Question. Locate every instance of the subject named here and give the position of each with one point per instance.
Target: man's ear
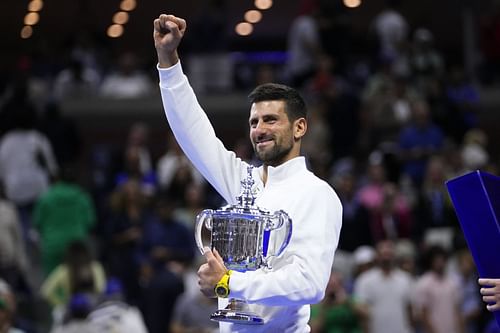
(299, 128)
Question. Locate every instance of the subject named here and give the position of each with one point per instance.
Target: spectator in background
(76, 82)
(63, 214)
(7, 309)
(13, 258)
(438, 297)
(426, 62)
(164, 239)
(316, 145)
(391, 30)
(463, 102)
(86, 50)
(406, 256)
(75, 319)
(466, 278)
(63, 134)
(27, 165)
(434, 210)
(138, 137)
(474, 150)
(124, 232)
(383, 199)
(418, 141)
(364, 258)
(370, 193)
(304, 47)
(79, 274)
(356, 229)
(194, 202)
(192, 314)
(393, 219)
(386, 291)
(387, 100)
(338, 312)
(167, 249)
(132, 169)
(112, 314)
(127, 81)
(174, 170)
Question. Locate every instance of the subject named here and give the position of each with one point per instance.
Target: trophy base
(237, 312)
(236, 317)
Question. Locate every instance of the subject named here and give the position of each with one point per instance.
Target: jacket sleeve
(196, 136)
(307, 261)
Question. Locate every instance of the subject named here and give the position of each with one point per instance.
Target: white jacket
(300, 275)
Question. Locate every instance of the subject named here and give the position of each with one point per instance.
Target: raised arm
(189, 123)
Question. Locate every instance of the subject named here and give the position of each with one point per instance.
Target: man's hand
(211, 272)
(491, 293)
(167, 34)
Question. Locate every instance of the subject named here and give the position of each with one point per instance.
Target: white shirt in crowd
(22, 153)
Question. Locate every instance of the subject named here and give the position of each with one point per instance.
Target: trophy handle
(205, 217)
(279, 220)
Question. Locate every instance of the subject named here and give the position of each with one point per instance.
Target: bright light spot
(263, 4)
(31, 18)
(120, 18)
(253, 16)
(352, 3)
(244, 29)
(128, 5)
(26, 32)
(35, 5)
(115, 31)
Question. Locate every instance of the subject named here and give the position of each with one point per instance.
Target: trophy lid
(246, 199)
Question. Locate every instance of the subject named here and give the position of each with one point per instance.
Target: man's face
(271, 132)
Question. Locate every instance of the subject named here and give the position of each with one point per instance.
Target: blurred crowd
(391, 118)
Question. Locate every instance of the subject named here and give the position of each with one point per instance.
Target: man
(277, 124)
(386, 291)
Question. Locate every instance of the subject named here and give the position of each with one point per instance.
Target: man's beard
(275, 155)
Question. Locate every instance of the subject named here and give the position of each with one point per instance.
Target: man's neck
(265, 167)
(264, 174)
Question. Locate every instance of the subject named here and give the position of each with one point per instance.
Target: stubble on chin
(272, 157)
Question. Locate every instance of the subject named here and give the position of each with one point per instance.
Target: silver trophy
(246, 237)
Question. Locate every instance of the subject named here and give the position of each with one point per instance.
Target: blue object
(113, 287)
(476, 198)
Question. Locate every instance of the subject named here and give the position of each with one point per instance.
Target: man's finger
(217, 256)
(489, 299)
(488, 282)
(207, 252)
(493, 307)
(181, 23)
(173, 28)
(487, 291)
(157, 26)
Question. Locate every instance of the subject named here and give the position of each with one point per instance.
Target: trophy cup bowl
(246, 238)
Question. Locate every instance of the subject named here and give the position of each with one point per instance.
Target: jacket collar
(286, 170)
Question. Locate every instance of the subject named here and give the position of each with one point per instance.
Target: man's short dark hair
(295, 107)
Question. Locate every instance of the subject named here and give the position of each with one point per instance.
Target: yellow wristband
(222, 287)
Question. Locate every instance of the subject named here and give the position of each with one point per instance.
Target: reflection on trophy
(247, 238)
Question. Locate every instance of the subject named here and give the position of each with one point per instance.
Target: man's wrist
(168, 60)
(222, 287)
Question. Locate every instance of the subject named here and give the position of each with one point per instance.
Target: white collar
(285, 170)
